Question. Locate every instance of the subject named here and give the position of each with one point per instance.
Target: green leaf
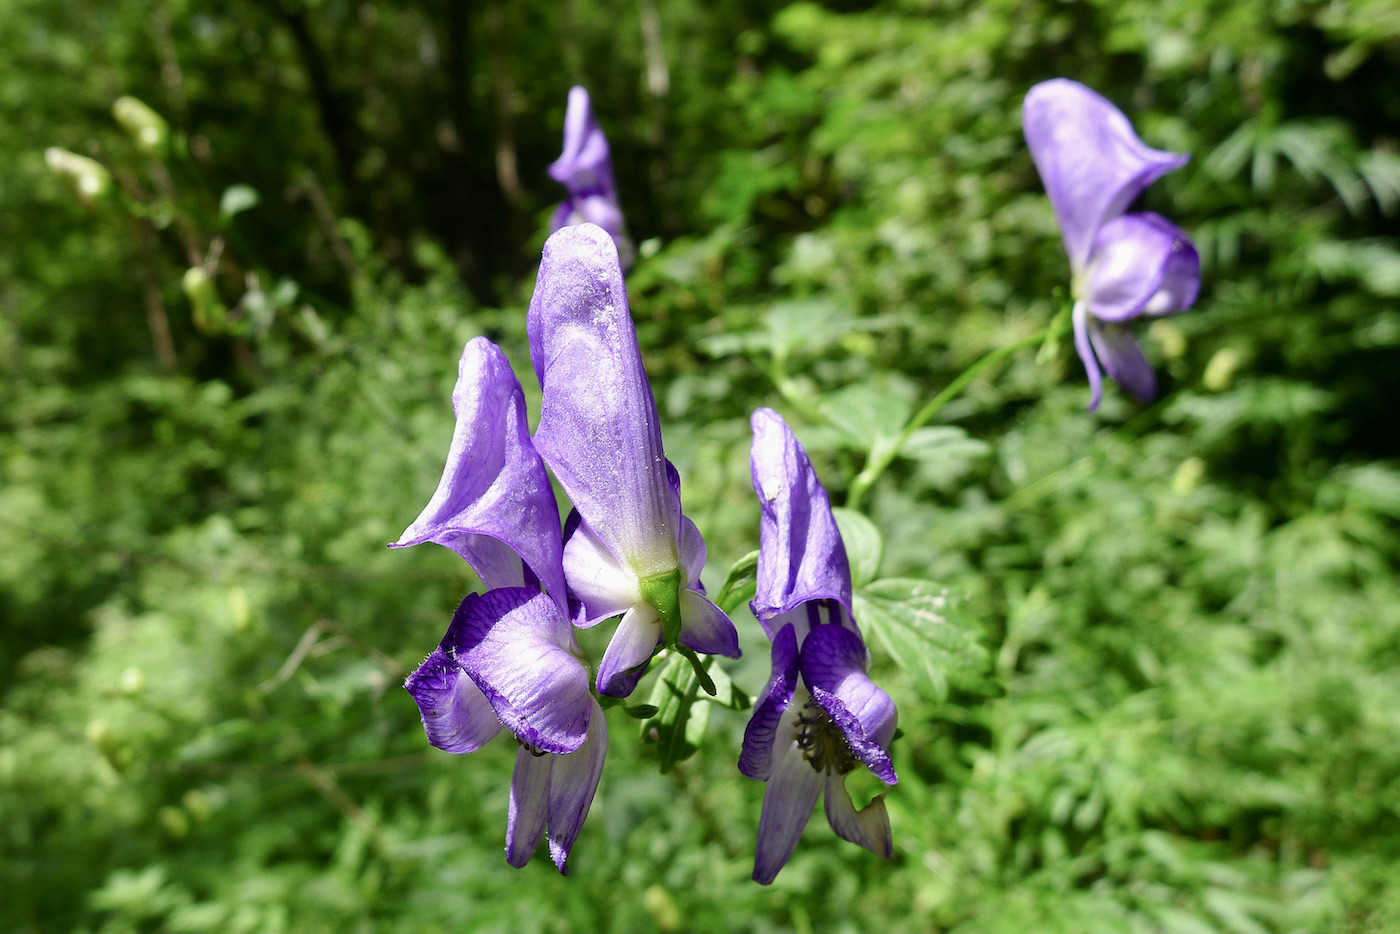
(917, 624)
(740, 584)
(870, 417)
(942, 443)
(681, 713)
(727, 694)
(864, 546)
(674, 698)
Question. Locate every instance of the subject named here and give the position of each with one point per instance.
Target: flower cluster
(1124, 265)
(627, 551)
(509, 659)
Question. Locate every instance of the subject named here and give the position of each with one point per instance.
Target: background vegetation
(1164, 690)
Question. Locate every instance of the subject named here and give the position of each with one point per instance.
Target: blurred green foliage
(1147, 660)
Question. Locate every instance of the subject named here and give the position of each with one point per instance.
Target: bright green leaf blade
(865, 548)
(740, 584)
(674, 698)
(915, 622)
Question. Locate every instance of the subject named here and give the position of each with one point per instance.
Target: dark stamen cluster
(822, 742)
(532, 750)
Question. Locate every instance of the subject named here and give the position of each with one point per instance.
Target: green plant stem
(880, 461)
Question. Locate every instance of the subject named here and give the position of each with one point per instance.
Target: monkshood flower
(585, 170)
(632, 553)
(820, 716)
(1124, 265)
(509, 659)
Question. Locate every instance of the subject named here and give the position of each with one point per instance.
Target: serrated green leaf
(865, 547)
(911, 620)
(867, 415)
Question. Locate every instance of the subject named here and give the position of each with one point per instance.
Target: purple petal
(564, 216)
(869, 827)
(494, 491)
(515, 644)
(801, 556)
(1141, 264)
(1080, 319)
(1092, 163)
(598, 427)
(1122, 357)
(705, 628)
(456, 716)
(572, 786)
(692, 550)
(529, 805)
(788, 802)
(629, 650)
(585, 166)
(861, 745)
(756, 760)
(833, 662)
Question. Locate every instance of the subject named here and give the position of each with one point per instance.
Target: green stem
(878, 464)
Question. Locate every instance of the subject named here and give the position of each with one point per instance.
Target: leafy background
(1150, 657)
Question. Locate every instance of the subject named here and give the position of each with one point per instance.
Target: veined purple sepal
(801, 558)
(1142, 264)
(554, 792)
(788, 802)
(494, 505)
(869, 827)
(632, 554)
(756, 760)
(456, 716)
(598, 428)
(834, 662)
(515, 644)
(1091, 161)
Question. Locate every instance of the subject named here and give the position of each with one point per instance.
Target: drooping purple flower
(633, 553)
(820, 716)
(509, 658)
(585, 170)
(1124, 265)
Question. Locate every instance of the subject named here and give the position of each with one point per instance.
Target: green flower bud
(210, 314)
(87, 178)
(147, 129)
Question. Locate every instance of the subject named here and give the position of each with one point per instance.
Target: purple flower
(1124, 265)
(509, 658)
(820, 716)
(632, 553)
(585, 170)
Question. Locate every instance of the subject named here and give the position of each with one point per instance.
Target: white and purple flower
(820, 716)
(632, 553)
(509, 658)
(1124, 265)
